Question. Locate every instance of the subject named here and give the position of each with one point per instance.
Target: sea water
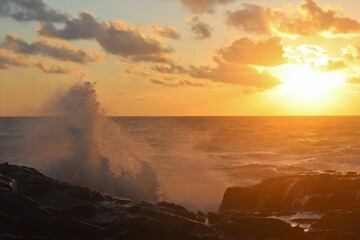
(194, 158)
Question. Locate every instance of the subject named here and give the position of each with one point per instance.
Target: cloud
(59, 69)
(84, 27)
(161, 58)
(60, 51)
(203, 6)
(169, 67)
(236, 74)
(312, 19)
(335, 64)
(8, 59)
(128, 43)
(316, 57)
(199, 29)
(180, 83)
(234, 64)
(267, 52)
(30, 10)
(252, 18)
(309, 18)
(313, 55)
(114, 37)
(351, 52)
(166, 31)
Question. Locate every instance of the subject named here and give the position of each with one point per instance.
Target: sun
(308, 86)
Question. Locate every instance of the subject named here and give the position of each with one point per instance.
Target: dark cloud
(200, 29)
(166, 31)
(307, 19)
(267, 52)
(252, 18)
(235, 74)
(114, 37)
(128, 43)
(180, 83)
(203, 6)
(84, 27)
(30, 10)
(60, 51)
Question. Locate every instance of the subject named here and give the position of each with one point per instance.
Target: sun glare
(305, 85)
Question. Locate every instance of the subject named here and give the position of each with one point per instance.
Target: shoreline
(36, 206)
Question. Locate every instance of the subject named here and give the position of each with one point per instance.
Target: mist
(82, 146)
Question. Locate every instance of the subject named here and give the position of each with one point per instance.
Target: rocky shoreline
(34, 206)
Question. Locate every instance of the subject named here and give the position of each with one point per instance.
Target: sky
(183, 57)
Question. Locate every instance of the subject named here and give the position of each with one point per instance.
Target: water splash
(82, 146)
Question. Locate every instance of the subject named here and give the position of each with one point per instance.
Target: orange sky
(183, 57)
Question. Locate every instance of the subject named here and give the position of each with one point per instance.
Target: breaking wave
(80, 145)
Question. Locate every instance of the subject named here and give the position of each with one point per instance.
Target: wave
(80, 145)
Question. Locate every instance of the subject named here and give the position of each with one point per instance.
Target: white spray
(82, 146)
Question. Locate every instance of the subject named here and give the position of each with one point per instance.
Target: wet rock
(201, 216)
(339, 223)
(307, 192)
(213, 217)
(33, 206)
(258, 228)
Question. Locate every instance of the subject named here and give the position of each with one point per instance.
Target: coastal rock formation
(304, 192)
(33, 206)
(37, 207)
(238, 226)
(340, 225)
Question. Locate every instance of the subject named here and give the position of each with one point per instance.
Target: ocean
(193, 159)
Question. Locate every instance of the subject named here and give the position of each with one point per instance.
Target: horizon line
(327, 115)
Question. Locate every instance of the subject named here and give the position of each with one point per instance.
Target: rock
(33, 206)
(340, 223)
(306, 192)
(201, 216)
(179, 210)
(213, 217)
(258, 228)
(330, 235)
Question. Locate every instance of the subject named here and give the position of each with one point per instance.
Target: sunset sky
(183, 57)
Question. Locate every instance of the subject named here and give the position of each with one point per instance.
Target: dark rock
(179, 210)
(201, 216)
(339, 222)
(308, 192)
(330, 235)
(213, 217)
(33, 206)
(258, 228)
